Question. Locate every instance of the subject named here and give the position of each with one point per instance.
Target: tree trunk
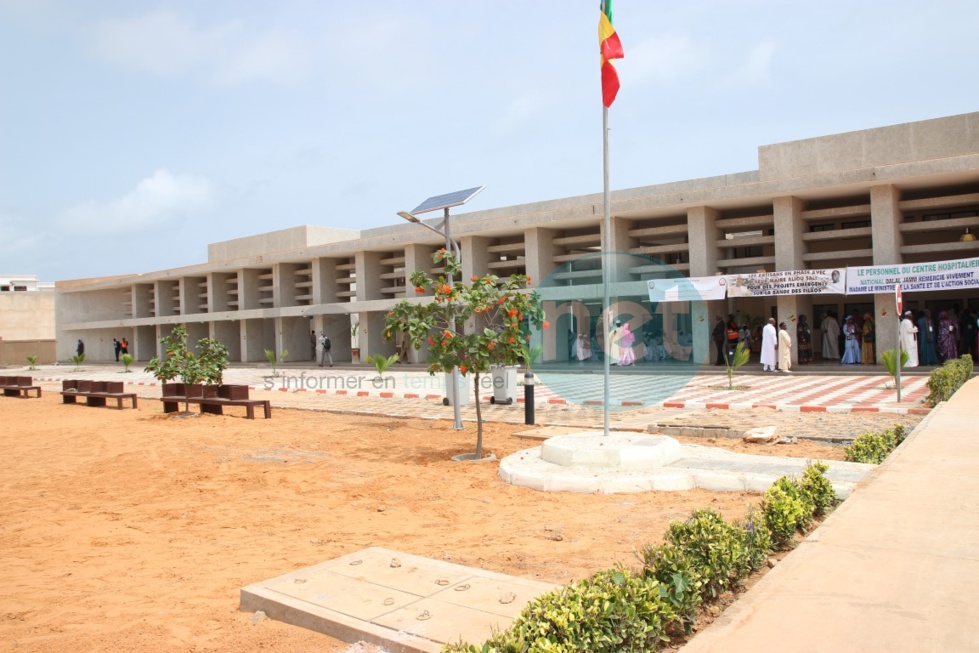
(479, 419)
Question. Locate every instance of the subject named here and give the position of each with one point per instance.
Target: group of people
(931, 342)
(776, 345)
(627, 347)
(856, 338)
(120, 347)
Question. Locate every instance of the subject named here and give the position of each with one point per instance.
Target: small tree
(889, 358)
(207, 367)
(32, 361)
(275, 360)
(127, 360)
(382, 363)
(78, 359)
(733, 362)
(501, 311)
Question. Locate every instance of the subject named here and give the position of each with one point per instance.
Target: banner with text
(686, 289)
(790, 282)
(913, 277)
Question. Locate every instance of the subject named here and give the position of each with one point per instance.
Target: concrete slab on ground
(399, 601)
(590, 462)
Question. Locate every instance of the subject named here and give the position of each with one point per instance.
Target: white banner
(944, 275)
(686, 289)
(789, 282)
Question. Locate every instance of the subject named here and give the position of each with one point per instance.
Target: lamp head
(967, 237)
(407, 216)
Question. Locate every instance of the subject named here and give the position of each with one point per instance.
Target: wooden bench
(19, 386)
(212, 399)
(96, 393)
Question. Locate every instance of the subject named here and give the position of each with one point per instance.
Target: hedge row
(627, 611)
(945, 380)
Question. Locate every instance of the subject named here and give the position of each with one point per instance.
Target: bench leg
(134, 402)
(250, 411)
(268, 410)
(68, 399)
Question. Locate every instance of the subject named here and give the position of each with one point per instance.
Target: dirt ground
(133, 531)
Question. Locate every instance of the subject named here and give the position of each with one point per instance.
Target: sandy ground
(133, 531)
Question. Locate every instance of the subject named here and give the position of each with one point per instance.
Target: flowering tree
(501, 310)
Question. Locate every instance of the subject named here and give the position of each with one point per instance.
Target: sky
(133, 133)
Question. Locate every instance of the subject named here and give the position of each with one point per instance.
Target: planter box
(113, 386)
(211, 391)
(69, 384)
(174, 389)
(233, 392)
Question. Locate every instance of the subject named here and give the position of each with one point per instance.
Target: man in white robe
(769, 344)
(909, 341)
(831, 338)
(784, 349)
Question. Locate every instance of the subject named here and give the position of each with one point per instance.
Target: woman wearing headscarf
(947, 337)
(626, 340)
(784, 349)
(926, 339)
(851, 353)
(803, 336)
(867, 353)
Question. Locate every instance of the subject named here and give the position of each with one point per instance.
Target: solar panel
(447, 201)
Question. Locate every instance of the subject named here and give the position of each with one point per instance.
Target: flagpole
(606, 272)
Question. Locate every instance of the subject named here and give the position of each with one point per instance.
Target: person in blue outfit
(851, 353)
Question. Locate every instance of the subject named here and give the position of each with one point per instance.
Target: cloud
(756, 69)
(158, 199)
(165, 45)
(663, 58)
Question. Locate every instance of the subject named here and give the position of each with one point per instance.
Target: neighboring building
(27, 324)
(898, 194)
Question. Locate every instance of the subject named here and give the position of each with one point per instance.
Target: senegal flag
(610, 48)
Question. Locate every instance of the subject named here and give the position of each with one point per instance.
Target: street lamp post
(445, 202)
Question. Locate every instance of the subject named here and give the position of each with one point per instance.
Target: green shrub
(817, 488)
(614, 610)
(786, 511)
(756, 538)
(679, 583)
(714, 548)
(945, 380)
(872, 447)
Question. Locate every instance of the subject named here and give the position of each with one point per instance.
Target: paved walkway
(827, 389)
(893, 569)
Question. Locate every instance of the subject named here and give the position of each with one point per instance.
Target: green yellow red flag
(610, 48)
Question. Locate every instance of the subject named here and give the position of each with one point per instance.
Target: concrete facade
(27, 320)
(897, 194)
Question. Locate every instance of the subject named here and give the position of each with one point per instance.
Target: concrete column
(324, 281)
(885, 225)
(539, 253)
(284, 284)
(789, 250)
(368, 277)
(475, 256)
(702, 236)
(248, 295)
(620, 244)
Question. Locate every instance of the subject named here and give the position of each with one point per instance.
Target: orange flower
(547, 325)
(512, 339)
(512, 312)
(446, 289)
(474, 278)
(431, 340)
(417, 289)
(463, 369)
(491, 345)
